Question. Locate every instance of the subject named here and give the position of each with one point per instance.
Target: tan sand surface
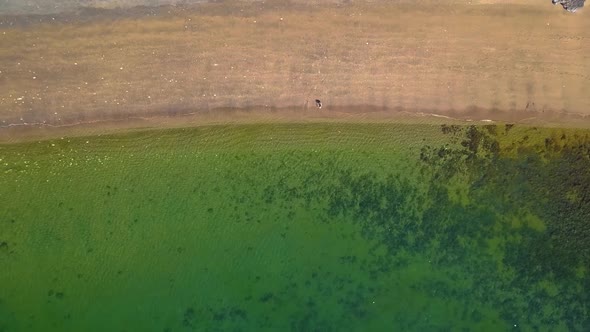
(516, 61)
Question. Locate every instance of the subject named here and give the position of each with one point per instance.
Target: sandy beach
(234, 61)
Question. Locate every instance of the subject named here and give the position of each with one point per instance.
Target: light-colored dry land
(527, 62)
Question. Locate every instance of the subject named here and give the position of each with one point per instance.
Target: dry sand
(514, 61)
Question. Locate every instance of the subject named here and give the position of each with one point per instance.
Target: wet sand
(99, 70)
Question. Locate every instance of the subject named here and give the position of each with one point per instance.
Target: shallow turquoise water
(316, 227)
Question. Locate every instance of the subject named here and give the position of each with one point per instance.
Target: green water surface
(298, 227)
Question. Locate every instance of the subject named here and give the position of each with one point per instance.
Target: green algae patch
(298, 227)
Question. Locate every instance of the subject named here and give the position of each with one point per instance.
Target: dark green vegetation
(317, 227)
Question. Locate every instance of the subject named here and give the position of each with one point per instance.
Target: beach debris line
(318, 103)
(570, 5)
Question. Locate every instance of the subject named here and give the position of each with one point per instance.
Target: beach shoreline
(33, 132)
